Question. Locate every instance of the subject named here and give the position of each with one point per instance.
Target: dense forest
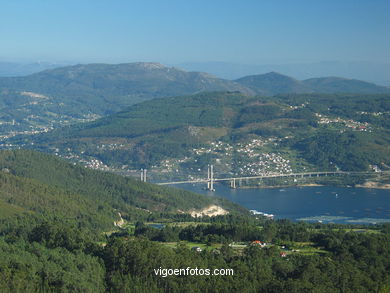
(56, 257)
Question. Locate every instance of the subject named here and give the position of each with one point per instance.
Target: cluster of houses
(356, 125)
(252, 158)
(264, 244)
(259, 243)
(13, 133)
(227, 149)
(96, 164)
(110, 146)
(376, 114)
(265, 164)
(299, 106)
(253, 243)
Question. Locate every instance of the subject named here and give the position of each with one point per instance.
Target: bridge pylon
(210, 177)
(143, 175)
(233, 183)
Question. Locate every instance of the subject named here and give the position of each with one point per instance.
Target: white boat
(255, 212)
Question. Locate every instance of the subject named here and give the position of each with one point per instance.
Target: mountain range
(66, 95)
(275, 83)
(105, 88)
(375, 72)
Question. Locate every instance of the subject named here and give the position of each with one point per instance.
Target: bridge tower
(210, 177)
(143, 175)
(233, 183)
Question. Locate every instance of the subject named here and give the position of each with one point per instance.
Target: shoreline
(367, 185)
(373, 185)
(281, 186)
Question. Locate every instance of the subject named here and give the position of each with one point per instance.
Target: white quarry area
(210, 211)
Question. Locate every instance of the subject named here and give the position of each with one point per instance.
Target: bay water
(314, 204)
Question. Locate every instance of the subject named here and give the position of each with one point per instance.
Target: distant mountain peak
(267, 76)
(150, 65)
(272, 83)
(274, 73)
(108, 88)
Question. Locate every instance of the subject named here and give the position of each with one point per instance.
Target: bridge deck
(304, 174)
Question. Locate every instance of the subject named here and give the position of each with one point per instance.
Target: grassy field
(304, 248)
(360, 230)
(307, 248)
(190, 244)
(288, 247)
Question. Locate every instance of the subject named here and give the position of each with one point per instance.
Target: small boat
(255, 212)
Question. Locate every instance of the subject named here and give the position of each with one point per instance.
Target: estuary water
(313, 204)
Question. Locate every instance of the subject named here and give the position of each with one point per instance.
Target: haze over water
(326, 204)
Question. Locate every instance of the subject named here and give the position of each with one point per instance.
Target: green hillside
(40, 184)
(62, 96)
(20, 195)
(177, 137)
(154, 129)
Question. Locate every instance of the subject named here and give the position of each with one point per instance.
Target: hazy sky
(174, 31)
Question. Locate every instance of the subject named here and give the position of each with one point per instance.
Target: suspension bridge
(210, 180)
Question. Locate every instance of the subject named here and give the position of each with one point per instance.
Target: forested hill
(275, 83)
(235, 132)
(45, 186)
(107, 88)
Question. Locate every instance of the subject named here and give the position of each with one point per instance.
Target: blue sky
(175, 31)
